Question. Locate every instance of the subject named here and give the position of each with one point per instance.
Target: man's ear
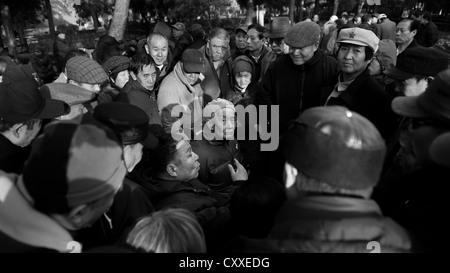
(147, 49)
(16, 129)
(171, 169)
(76, 215)
(290, 175)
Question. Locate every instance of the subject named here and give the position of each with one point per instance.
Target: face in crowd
(158, 48)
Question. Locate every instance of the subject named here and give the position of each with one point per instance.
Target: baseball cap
(74, 162)
(359, 36)
(193, 61)
(335, 146)
(130, 121)
(21, 101)
(244, 28)
(418, 61)
(179, 26)
(85, 70)
(382, 16)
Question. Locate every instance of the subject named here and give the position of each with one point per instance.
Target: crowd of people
(141, 150)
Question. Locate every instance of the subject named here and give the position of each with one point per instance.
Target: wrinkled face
(411, 87)
(132, 155)
(278, 46)
(224, 122)
(186, 161)
(402, 33)
(122, 78)
(352, 59)
(218, 48)
(301, 55)
(240, 40)
(147, 76)
(158, 48)
(254, 43)
(243, 79)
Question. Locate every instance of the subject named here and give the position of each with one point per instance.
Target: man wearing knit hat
(334, 158)
(354, 87)
(70, 179)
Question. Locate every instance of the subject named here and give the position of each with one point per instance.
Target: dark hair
(413, 24)
(164, 154)
(365, 18)
(367, 50)
(426, 15)
(261, 30)
(5, 126)
(139, 61)
(254, 205)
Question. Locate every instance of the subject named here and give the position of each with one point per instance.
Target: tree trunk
(300, 13)
(291, 11)
(317, 7)
(360, 6)
(21, 31)
(249, 18)
(51, 25)
(119, 20)
(94, 16)
(9, 32)
(335, 7)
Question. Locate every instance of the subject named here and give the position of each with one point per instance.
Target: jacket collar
(23, 223)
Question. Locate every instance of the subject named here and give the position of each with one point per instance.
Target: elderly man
(277, 33)
(22, 110)
(157, 46)
(354, 87)
(218, 65)
(294, 81)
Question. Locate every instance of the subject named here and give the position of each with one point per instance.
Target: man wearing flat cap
(354, 87)
(294, 81)
(334, 158)
(181, 92)
(418, 197)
